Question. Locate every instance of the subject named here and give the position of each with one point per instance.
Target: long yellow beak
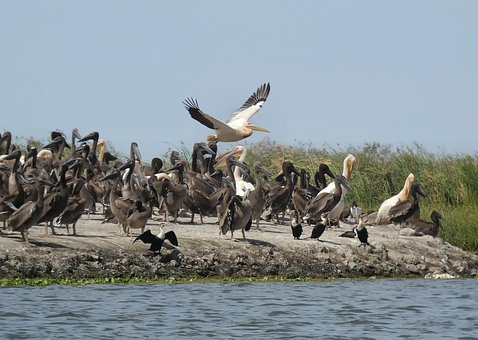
(257, 128)
(221, 159)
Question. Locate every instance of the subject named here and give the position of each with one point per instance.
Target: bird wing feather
(171, 237)
(196, 113)
(400, 209)
(146, 237)
(252, 104)
(22, 214)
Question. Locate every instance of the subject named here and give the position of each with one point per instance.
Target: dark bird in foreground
(362, 233)
(427, 228)
(157, 240)
(296, 229)
(319, 229)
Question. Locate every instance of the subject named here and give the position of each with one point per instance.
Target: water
(333, 310)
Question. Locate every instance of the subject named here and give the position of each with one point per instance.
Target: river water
(378, 309)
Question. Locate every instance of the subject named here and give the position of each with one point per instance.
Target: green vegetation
(451, 181)
(72, 281)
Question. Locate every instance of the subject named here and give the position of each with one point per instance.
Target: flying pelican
(238, 126)
(383, 212)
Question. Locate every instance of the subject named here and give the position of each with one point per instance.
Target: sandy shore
(102, 250)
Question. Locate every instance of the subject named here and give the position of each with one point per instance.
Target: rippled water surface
(342, 309)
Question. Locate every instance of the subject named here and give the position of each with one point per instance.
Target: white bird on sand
(238, 126)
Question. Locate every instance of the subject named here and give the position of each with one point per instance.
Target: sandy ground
(390, 254)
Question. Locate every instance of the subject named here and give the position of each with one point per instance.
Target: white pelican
(348, 164)
(238, 126)
(242, 186)
(383, 211)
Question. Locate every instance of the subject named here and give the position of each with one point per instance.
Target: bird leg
(257, 224)
(25, 236)
(52, 228)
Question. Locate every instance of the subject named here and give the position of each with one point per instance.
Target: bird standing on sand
(157, 240)
(296, 228)
(319, 228)
(238, 126)
(362, 233)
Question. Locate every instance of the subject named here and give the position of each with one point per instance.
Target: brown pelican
(257, 196)
(7, 138)
(319, 176)
(422, 227)
(326, 202)
(383, 212)
(348, 164)
(94, 136)
(157, 240)
(238, 217)
(15, 195)
(404, 210)
(76, 205)
(301, 195)
(238, 126)
(155, 167)
(138, 216)
(55, 202)
(116, 206)
(174, 193)
(27, 215)
(278, 198)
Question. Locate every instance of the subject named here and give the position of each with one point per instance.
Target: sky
(342, 73)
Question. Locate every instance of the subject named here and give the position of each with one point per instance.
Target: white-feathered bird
(238, 126)
(383, 211)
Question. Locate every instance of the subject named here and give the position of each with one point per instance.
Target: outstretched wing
(252, 104)
(171, 236)
(196, 113)
(146, 237)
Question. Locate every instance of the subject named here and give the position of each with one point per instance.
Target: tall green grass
(451, 181)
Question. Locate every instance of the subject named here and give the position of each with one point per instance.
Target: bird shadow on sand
(330, 242)
(47, 244)
(81, 236)
(255, 242)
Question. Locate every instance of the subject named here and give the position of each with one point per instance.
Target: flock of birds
(55, 187)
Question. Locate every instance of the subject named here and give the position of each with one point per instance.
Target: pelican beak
(345, 183)
(221, 160)
(256, 127)
(91, 136)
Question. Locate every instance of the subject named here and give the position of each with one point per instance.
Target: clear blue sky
(341, 72)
